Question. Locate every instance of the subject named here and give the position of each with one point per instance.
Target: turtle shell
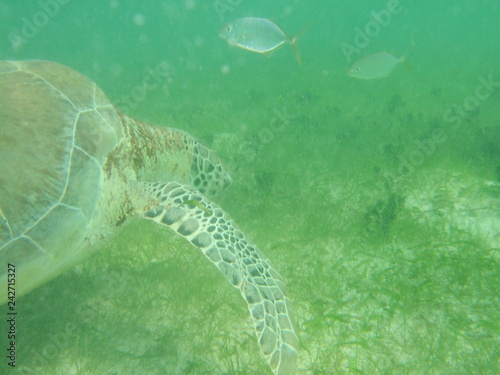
(56, 128)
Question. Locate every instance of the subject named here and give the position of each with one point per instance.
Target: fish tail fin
(403, 59)
(293, 42)
(405, 62)
(296, 52)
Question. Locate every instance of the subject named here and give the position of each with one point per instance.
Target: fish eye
(229, 28)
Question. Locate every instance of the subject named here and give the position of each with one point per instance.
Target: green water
(378, 201)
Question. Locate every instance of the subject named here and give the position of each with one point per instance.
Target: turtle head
(208, 175)
(167, 154)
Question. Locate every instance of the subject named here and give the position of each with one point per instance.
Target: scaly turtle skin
(73, 169)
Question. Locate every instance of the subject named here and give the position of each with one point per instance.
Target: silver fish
(257, 35)
(378, 65)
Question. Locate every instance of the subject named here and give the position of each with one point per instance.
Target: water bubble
(116, 70)
(139, 19)
(190, 4)
(198, 41)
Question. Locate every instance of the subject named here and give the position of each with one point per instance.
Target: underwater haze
(377, 199)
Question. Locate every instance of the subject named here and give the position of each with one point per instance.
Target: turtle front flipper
(208, 227)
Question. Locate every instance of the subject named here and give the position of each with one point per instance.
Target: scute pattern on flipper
(207, 174)
(209, 228)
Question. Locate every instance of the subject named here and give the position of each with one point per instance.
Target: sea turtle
(74, 168)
